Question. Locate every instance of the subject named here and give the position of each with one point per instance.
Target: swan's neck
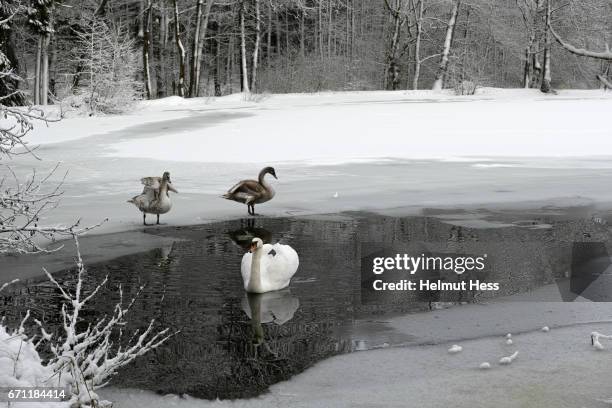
(264, 183)
(255, 278)
(163, 190)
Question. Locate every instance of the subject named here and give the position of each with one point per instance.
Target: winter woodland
(100, 55)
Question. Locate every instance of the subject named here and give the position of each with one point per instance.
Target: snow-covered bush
(83, 357)
(465, 88)
(107, 66)
(20, 363)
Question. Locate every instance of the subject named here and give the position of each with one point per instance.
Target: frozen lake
(374, 151)
(236, 346)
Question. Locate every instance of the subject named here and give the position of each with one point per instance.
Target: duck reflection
(272, 307)
(164, 255)
(243, 237)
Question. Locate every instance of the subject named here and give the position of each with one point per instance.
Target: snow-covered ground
(376, 150)
(335, 127)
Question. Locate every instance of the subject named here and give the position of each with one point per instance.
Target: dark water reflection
(233, 346)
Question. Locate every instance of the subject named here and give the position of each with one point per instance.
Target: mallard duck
(266, 268)
(155, 197)
(251, 192)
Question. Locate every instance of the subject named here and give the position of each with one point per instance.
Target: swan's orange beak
(253, 247)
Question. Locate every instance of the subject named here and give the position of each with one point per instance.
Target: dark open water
(234, 346)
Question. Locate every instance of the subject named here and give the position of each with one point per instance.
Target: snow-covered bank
(344, 126)
(411, 128)
(335, 152)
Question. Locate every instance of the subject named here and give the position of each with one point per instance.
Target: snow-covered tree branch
(89, 356)
(24, 202)
(603, 55)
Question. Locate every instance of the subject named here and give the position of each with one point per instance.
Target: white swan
(266, 268)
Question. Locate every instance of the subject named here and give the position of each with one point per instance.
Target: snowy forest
(102, 54)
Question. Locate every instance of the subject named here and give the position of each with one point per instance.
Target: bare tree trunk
(181, 52)
(392, 70)
(199, 40)
(450, 32)
(38, 70)
(302, 34)
(269, 36)
(162, 43)
(230, 63)
(546, 74)
(256, 48)
(279, 34)
(417, 43)
(243, 57)
(347, 34)
(195, 49)
(320, 18)
(329, 28)
(527, 69)
(353, 31)
(217, 52)
(44, 77)
(146, 49)
(287, 43)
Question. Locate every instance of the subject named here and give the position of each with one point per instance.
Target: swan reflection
(273, 307)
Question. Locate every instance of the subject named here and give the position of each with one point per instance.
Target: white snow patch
(509, 359)
(455, 349)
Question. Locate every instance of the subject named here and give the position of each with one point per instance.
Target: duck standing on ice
(155, 197)
(251, 192)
